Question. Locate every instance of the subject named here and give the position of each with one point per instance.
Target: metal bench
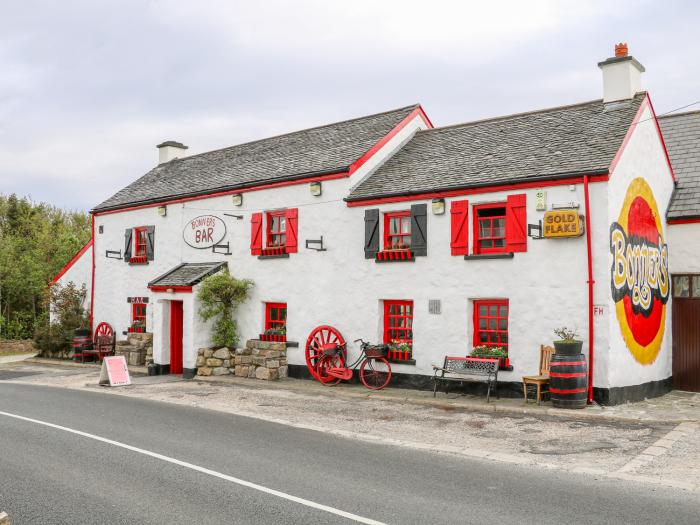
(460, 369)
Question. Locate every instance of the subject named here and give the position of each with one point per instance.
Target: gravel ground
(590, 446)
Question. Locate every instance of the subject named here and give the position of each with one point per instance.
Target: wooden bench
(460, 369)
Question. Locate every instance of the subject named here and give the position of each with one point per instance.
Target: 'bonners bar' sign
(204, 231)
(562, 223)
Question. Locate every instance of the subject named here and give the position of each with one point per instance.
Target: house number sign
(204, 231)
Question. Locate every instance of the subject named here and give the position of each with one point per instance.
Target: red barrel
(568, 381)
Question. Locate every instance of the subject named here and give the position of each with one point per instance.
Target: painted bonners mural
(639, 274)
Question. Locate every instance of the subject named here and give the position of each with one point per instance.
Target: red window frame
(276, 237)
(140, 241)
(491, 233)
(138, 315)
(403, 233)
(490, 318)
(398, 322)
(274, 319)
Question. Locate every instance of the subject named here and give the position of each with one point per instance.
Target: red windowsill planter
(396, 355)
(503, 362)
(273, 338)
(395, 255)
(280, 250)
(136, 329)
(139, 259)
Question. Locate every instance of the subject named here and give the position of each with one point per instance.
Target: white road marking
(203, 470)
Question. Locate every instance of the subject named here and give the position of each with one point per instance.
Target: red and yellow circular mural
(639, 274)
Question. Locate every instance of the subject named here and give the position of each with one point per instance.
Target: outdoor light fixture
(162, 211)
(315, 188)
(438, 206)
(237, 199)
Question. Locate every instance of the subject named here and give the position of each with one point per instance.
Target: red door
(176, 337)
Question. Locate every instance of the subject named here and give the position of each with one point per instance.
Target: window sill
(276, 256)
(395, 256)
(486, 256)
(411, 362)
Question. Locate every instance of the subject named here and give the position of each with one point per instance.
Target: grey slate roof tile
(682, 136)
(581, 138)
(187, 274)
(309, 152)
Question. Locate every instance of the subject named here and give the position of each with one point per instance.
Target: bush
(219, 296)
(66, 305)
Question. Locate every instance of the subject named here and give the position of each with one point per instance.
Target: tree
(219, 296)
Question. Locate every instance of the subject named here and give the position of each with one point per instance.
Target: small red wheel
(375, 373)
(326, 362)
(323, 337)
(104, 329)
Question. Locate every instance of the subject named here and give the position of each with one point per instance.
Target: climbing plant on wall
(219, 296)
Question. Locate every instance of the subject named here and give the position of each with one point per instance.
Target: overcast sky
(88, 88)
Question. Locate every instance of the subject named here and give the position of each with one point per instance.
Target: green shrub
(220, 295)
(66, 305)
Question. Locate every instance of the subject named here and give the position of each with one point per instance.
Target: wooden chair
(543, 378)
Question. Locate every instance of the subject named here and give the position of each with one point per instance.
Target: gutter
(591, 282)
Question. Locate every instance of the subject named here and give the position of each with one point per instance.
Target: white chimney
(170, 150)
(622, 75)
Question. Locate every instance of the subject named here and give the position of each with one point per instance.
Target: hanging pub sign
(204, 231)
(562, 223)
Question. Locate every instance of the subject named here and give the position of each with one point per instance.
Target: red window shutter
(459, 242)
(292, 230)
(516, 223)
(256, 221)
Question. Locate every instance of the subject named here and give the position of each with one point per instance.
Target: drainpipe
(92, 282)
(591, 282)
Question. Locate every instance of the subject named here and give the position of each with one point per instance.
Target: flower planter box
(140, 259)
(136, 329)
(397, 355)
(271, 252)
(273, 338)
(395, 255)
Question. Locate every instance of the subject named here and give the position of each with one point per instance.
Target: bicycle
(326, 358)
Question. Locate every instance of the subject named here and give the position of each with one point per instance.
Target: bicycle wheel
(375, 373)
(326, 362)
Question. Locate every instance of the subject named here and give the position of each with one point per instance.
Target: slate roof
(187, 274)
(682, 136)
(550, 143)
(325, 149)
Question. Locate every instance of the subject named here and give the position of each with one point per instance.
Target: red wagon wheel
(375, 373)
(325, 363)
(322, 338)
(104, 329)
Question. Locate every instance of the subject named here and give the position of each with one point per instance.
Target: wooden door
(686, 344)
(176, 337)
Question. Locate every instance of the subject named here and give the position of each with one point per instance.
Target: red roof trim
(418, 112)
(689, 220)
(642, 107)
(481, 189)
(158, 288)
(331, 176)
(72, 261)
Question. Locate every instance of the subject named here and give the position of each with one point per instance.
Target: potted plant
(400, 350)
(137, 327)
(568, 344)
(497, 352)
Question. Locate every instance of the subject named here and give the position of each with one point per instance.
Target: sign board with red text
(114, 371)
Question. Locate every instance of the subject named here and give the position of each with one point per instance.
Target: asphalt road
(53, 476)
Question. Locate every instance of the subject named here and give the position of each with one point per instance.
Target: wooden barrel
(81, 342)
(568, 381)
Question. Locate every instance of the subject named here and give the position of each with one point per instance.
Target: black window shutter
(419, 229)
(128, 234)
(150, 242)
(371, 233)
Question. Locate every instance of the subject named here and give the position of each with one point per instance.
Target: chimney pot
(621, 49)
(170, 150)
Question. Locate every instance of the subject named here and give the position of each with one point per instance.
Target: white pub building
(492, 232)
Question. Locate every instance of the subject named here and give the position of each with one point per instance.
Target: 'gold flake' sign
(562, 223)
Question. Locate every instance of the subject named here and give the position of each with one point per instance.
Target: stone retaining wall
(17, 346)
(259, 359)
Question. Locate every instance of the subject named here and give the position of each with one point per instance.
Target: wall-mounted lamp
(162, 211)
(438, 206)
(237, 199)
(315, 188)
